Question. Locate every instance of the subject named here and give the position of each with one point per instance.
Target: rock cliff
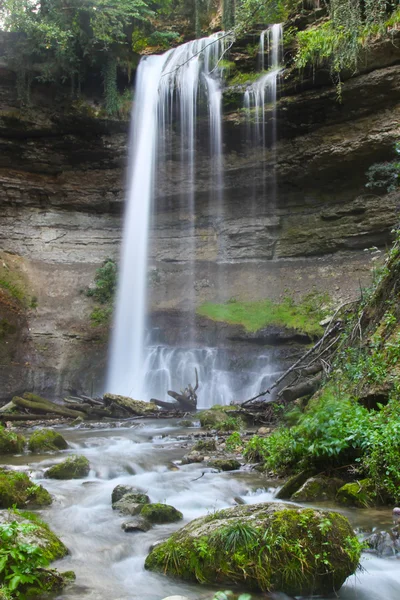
(62, 180)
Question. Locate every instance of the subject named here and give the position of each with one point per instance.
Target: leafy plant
(385, 175)
(19, 561)
(233, 442)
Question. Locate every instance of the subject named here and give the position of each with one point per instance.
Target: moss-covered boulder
(192, 457)
(211, 418)
(26, 530)
(360, 494)
(10, 442)
(225, 464)
(160, 513)
(293, 484)
(16, 489)
(133, 407)
(46, 440)
(318, 489)
(131, 504)
(122, 490)
(264, 547)
(205, 446)
(35, 532)
(74, 467)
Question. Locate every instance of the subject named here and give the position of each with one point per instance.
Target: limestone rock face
(62, 180)
(221, 549)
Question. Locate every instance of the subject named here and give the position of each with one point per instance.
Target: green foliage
(105, 282)
(233, 442)
(229, 424)
(304, 316)
(11, 442)
(60, 43)
(385, 175)
(104, 292)
(20, 561)
(338, 43)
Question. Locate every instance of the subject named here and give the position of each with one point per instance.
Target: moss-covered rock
(186, 423)
(205, 446)
(131, 503)
(317, 489)
(293, 484)
(225, 464)
(269, 546)
(16, 489)
(192, 457)
(160, 513)
(360, 494)
(46, 440)
(38, 534)
(74, 467)
(210, 418)
(10, 442)
(135, 407)
(122, 490)
(27, 529)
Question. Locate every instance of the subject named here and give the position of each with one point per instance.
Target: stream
(109, 563)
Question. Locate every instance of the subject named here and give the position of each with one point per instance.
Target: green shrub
(385, 175)
(20, 562)
(105, 282)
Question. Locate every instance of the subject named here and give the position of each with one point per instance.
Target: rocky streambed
(109, 562)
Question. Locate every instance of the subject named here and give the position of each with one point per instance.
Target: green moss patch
(361, 494)
(74, 467)
(16, 489)
(10, 442)
(160, 513)
(47, 440)
(253, 316)
(264, 547)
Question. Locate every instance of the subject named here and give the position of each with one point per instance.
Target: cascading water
(167, 89)
(264, 90)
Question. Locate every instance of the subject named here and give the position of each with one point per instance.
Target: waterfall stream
(109, 563)
(168, 89)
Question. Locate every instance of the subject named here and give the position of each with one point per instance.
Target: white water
(264, 90)
(167, 90)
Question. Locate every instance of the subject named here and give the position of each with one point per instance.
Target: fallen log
(7, 407)
(24, 417)
(46, 407)
(304, 388)
(166, 405)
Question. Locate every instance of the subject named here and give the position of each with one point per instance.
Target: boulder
(46, 440)
(185, 423)
(384, 543)
(35, 532)
(192, 457)
(75, 467)
(318, 489)
(27, 530)
(360, 494)
(269, 546)
(136, 525)
(16, 489)
(205, 446)
(122, 490)
(225, 464)
(131, 503)
(210, 418)
(160, 513)
(10, 442)
(293, 484)
(133, 407)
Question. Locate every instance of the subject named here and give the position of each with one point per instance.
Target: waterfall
(264, 90)
(167, 89)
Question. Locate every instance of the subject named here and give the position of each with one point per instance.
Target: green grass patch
(304, 316)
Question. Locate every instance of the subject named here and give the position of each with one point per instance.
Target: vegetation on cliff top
(304, 316)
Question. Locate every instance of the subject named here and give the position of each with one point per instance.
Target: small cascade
(168, 93)
(264, 90)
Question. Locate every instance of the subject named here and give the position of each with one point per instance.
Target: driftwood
(46, 407)
(186, 400)
(24, 417)
(301, 368)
